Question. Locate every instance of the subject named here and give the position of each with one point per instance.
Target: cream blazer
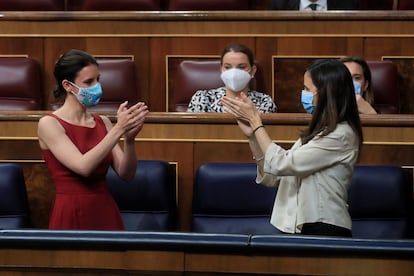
(312, 180)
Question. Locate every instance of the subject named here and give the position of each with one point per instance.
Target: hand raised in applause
(131, 119)
(245, 112)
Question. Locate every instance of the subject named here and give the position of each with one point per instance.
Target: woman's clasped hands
(131, 119)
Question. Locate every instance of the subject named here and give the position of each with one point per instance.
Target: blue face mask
(357, 87)
(307, 101)
(89, 96)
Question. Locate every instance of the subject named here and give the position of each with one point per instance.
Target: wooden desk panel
(92, 262)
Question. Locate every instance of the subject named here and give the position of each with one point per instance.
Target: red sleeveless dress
(82, 203)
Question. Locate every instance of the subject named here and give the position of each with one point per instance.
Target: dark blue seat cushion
(379, 198)
(147, 203)
(226, 199)
(14, 206)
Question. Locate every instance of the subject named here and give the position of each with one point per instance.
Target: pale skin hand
(248, 119)
(52, 136)
(364, 107)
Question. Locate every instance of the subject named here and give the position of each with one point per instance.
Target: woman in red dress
(79, 146)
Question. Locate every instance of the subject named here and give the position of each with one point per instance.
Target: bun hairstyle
(68, 67)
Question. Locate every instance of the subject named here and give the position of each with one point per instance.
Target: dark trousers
(325, 229)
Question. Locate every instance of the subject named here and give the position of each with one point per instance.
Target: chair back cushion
(376, 4)
(32, 5)
(118, 5)
(226, 199)
(119, 84)
(20, 84)
(379, 198)
(193, 75)
(147, 203)
(405, 4)
(176, 5)
(14, 206)
(384, 84)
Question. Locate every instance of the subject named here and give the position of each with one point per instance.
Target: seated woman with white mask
(237, 73)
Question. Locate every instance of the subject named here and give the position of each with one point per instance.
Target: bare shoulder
(47, 121)
(49, 124)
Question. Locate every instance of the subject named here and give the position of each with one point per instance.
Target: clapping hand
(131, 119)
(243, 109)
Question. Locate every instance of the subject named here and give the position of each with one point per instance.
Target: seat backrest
(119, 84)
(148, 202)
(376, 4)
(32, 5)
(20, 84)
(193, 75)
(379, 202)
(405, 5)
(118, 5)
(226, 199)
(14, 206)
(384, 84)
(180, 5)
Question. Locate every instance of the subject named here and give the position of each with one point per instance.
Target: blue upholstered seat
(14, 206)
(226, 199)
(379, 201)
(148, 202)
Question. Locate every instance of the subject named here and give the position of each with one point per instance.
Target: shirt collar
(322, 5)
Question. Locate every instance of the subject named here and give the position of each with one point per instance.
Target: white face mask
(235, 79)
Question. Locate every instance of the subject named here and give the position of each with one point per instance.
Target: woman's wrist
(256, 129)
(258, 159)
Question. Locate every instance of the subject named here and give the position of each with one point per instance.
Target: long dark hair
(68, 67)
(336, 100)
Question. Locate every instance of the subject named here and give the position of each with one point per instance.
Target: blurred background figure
(316, 5)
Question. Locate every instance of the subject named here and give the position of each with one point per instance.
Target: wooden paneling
(151, 37)
(281, 263)
(107, 261)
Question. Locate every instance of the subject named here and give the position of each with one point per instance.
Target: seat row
(226, 200)
(21, 86)
(171, 5)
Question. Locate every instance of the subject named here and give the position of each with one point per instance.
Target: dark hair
(368, 95)
(336, 100)
(68, 67)
(240, 48)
